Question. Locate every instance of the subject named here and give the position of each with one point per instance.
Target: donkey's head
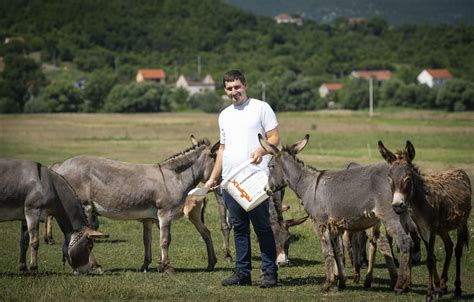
(281, 232)
(80, 247)
(400, 175)
(280, 170)
(207, 157)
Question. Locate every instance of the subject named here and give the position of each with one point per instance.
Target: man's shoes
(237, 279)
(269, 279)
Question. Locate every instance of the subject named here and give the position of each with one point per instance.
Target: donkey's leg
(430, 263)
(24, 242)
(441, 285)
(404, 241)
(351, 239)
(462, 239)
(48, 230)
(33, 220)
(369, 277)
(165, 218)
(385, 249)
(336, 243)
(225, 226)
(195, 217)
(328, 254)
(147, 239)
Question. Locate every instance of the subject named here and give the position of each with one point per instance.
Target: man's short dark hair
(234, 75)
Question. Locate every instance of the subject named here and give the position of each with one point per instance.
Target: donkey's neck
(66, 207)
(301, 178)
(183, 172)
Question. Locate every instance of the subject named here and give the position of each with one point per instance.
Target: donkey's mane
(288, 149)
(182, 158)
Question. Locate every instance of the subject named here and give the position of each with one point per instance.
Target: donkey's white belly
(125, 214)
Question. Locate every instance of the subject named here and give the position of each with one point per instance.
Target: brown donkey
(438, 203)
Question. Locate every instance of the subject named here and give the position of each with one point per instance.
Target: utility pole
(263, 91)
(199, 67)
(371, 97)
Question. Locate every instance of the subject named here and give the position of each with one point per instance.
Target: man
(240, 124)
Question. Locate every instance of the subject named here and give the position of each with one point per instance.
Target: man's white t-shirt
(239, 128)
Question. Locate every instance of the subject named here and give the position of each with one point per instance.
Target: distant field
(442, 140)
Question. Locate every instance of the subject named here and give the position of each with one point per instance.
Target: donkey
(350, 199)
(438, 203)
(149, 193)
(26, 189)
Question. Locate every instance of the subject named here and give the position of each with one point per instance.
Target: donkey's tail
(463, 236)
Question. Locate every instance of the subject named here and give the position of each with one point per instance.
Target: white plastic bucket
(246, 185)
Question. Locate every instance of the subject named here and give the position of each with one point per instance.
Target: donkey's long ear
(194, 140)
(410, 151)
(267, 146)
(298, 146)
(215, 148)
(294, 222)
(386, 154)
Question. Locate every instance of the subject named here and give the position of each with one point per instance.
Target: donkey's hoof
(341, 284)
(326, 287)
(210, 268)
(356, 278)
(144, 268)
(170, 270)
(400, 291)
(22, 267)
(458, 292)
(368, 283)
(165, 267)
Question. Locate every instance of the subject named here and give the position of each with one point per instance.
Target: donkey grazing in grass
(26, 189)
(438, 203)
(351, 199)
(150, 193)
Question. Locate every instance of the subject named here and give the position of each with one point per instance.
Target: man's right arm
(217, 170)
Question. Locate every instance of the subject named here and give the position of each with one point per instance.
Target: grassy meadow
(442, 140)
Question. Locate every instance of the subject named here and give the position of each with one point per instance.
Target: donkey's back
(451, 190)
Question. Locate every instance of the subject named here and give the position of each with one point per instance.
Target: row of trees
(105, 43)
(102, 91)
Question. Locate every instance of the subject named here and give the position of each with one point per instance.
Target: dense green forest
(104, 43)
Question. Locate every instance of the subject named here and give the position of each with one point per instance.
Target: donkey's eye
(407, 180)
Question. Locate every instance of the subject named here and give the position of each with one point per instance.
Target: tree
(208, 102)
(137, 97)
(96, 89)
(456, 95)
(57, 97)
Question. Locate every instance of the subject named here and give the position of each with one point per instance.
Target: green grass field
(442, 140)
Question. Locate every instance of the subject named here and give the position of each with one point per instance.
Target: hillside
(395, 12)
(89, 39)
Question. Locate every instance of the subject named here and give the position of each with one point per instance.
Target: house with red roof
(379, 75)
(327, 88)
(156, 75)
(434, 77)
(193, 87)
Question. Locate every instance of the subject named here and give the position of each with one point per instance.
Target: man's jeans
(240, 220)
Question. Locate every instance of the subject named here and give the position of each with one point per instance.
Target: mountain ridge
(420, 12)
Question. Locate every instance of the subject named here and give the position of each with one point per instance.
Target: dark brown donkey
(438, 203)
(149, 193)
(30, 191)
(350, 199)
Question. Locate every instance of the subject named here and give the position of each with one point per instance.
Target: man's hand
(257, 155)
(211, 184)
